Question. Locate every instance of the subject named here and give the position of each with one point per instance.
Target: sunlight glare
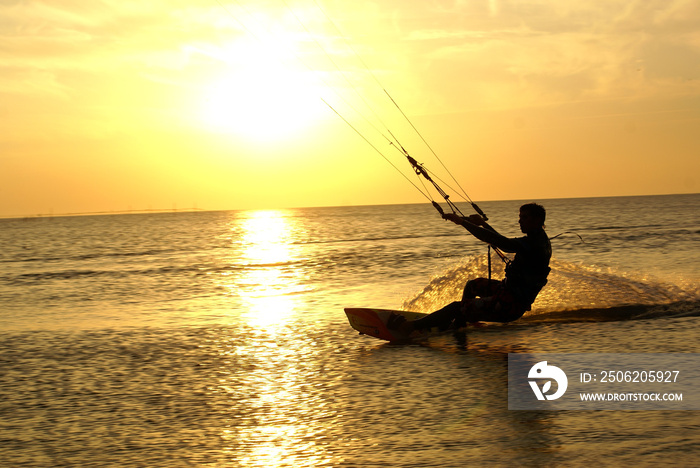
(265, 235)
(269, 284)
(284, 416)
(261, 97)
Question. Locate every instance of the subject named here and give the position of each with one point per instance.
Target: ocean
(218, 339)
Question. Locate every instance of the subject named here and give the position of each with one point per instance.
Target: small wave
(618, 313)
(197, 269)
(77, 274)
(626, 227)
(63, 275)
(90, 256)
(375, 239)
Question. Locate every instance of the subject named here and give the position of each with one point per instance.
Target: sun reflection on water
(278, 414)
(267, 366)
(265, 232)
(269, 281)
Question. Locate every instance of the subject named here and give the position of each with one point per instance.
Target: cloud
(450, 55)
(32, 82)
(70, 34)
(530, 53)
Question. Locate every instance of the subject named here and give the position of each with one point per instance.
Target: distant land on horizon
(196, 209)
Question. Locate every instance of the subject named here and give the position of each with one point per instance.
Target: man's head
(532, 217)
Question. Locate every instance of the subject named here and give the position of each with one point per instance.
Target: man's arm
(487, 234)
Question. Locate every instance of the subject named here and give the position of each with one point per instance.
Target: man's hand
(474, 219)
(453, 217)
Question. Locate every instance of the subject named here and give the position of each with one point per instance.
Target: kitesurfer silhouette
(492, 300)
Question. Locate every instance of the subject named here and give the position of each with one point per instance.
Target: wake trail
(574, 293)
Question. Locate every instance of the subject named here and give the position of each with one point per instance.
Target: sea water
(218, 339)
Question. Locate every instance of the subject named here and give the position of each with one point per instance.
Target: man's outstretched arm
(477, 227)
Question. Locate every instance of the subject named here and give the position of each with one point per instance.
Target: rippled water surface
(218, 339)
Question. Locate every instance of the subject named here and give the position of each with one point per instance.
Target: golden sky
(120, 104)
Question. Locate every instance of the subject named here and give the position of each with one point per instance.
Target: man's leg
(442, 318)
(478, 309)
(480, 287)
(469, 309)
(499, 307)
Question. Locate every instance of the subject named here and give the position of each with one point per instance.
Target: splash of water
(572, 287)
(447, 287)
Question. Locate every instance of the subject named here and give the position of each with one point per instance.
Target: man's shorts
(494, 302)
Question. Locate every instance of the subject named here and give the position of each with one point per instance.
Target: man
(492, 300)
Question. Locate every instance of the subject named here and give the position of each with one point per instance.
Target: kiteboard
(373, 322)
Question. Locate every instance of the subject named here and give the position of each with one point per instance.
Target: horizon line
(196, 209)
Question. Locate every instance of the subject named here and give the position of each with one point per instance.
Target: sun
(262, 99)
